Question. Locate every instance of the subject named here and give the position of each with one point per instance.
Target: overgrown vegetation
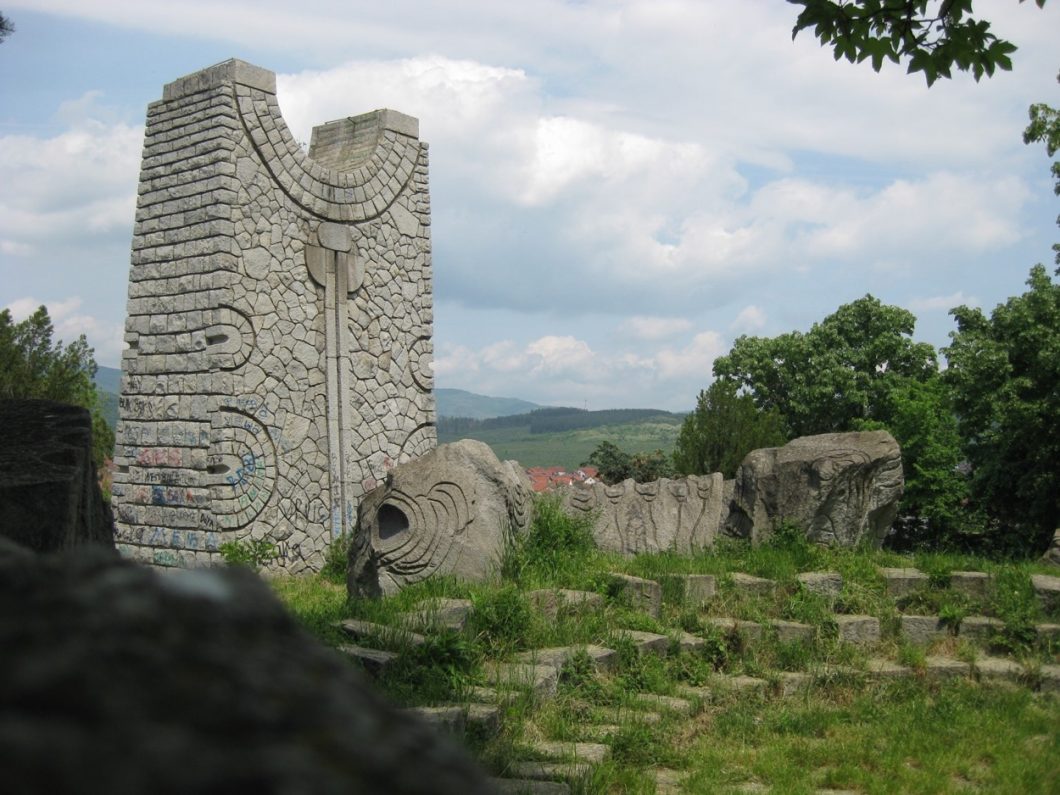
(251, 553)
(847, 732)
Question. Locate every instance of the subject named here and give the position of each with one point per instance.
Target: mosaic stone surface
(279, 323)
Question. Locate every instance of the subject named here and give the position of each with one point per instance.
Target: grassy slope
(911, 735)
(571, 449)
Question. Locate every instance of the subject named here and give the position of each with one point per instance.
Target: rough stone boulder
(1052, 554)
(842, 488)
(682, 515)
(49, 492)
(449, 512)
(119, 679)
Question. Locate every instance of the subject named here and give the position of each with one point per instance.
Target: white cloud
(751, 318)
(655, 328)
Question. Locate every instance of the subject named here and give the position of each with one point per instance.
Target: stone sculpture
(120, 679)
(450, 512)
(49, 492)
(683, 515)
(279, 323)
(841, 488)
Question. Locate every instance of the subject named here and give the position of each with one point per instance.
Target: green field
(571, 449)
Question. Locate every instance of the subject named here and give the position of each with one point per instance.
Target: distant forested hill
(459, 403)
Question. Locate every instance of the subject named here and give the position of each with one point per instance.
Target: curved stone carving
(449, 512)
(242, 469)
(681, 515)
(357, 193)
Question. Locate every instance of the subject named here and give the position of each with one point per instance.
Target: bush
(555, 550)
(252, 553)
(337, 559)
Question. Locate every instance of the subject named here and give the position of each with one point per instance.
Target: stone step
(596, 753)
(666, 703)
(643, 594)
(751, 585)
(1048, 633)
(750, 630)
(441, 614)
(792, 631)
(451, 719)
(603, 659)
(597, 731)
(623, 716)
(975, 584)
(542, 680)
(999, 669)
(667, 781)
(388, 635)
(686, 641)
(1047, 589)
(923, 630)
(645, 642)
(858, 630)
(946, 667)
(523, 786)
(552, 601)
(550, 771)
(794, 682)
(880, 668)
(695, 590)
(486, 717)
(901, 582)
(822, 583)
(1049, 678)
(980, 629)
(374, 661)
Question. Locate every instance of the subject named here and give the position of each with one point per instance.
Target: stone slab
(487, 717)
(793, 682)
(603, 659)
(368, 629)
(1048, 633)
(452, 719)
(751, 630)
(697, 590)
(859, 630)
(528, 787)
(880, 668)
(374, 661)
(550, 771)
(515, 786)
(441, 614)
(980, 629)
(792, 631)
(973, 583)
(552, 601)
(595, 753)
(999, 669)
(1049, 678)
(642, 594)
(749, 584)
(646, 642)
(946, 667)
(689, 642)
(666, 703)
(903, 581)
(542, 680)
(922, 630)
(823, 583)
(1047, 589)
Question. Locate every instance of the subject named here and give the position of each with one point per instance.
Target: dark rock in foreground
(118, 679)
(49, 492)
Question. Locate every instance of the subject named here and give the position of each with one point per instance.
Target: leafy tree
(31, 366)
(859, 369)
(7, 27)
(615, 465)
(835, 374)
(934, 35)
(724, 427)
(1005, 374)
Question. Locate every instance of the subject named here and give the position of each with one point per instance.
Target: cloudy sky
(620, 188)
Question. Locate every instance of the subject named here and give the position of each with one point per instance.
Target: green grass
(846, 732)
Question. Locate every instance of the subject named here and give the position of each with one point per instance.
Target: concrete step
(646, 642)
(552, 602)
(595, 753)
(374, 661)
(441, 614)
(751, 585)
(524, 786)
(542, 680)
(643, 594)
(550, 771)
(356, 628)
(666, 703)
(603, 659)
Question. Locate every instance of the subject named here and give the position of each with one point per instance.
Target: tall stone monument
(279, 323)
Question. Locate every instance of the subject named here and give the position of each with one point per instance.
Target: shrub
(337, 559)
(251, 553)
